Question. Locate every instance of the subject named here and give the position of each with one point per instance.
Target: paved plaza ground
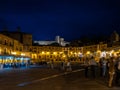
(42, 78)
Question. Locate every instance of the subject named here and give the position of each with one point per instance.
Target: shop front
(11, 61)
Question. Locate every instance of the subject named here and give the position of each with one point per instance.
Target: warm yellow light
(64, 56)
(98, 51)
(61, 52)
(13, 53)
(22, 54)
(79, 52)
(112, 51)
(0, 50)
(54, 53)
(48, 52)
(71, 52)
(115, 54)
(43, 52)
(88, 52)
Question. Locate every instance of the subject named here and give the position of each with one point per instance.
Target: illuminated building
(11, 52)
(22, 37)
(58, 40)
(18, 49)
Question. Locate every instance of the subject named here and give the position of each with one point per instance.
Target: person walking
(86, 65)
(93, 65)
(69, 66)
(117, 71)
(52, 64)
(63, 65)
(101, 66)
(111, 66)
(104, 67)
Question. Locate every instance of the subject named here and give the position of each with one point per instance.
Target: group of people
(63, 65)
(108, 68)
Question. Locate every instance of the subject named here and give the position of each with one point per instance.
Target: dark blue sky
(70, 19)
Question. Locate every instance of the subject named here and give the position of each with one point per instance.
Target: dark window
(11, 44)
(0, 42)
(16, 48)
(39, 57)
(34, 48)
(35, 51)
(20, 48)
(5, 42)
(30, 49)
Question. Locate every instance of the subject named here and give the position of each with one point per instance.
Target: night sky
(70, 19)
